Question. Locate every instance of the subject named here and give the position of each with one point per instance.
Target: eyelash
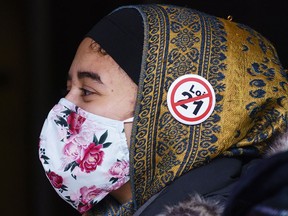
(86, 92)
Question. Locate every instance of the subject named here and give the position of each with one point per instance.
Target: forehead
(91, 58)
(89, 47)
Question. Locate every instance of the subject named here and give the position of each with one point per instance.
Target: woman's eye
(86, 92)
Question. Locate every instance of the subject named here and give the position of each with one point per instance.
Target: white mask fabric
(85, 156)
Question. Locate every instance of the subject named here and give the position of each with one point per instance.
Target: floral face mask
(84, 156)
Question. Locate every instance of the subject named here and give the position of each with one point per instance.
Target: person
(263, 189)
(167, 106)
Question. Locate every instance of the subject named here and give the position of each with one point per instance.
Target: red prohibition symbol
(191, 99)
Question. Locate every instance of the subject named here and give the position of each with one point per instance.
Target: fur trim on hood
(195, 206)
(199, 206)
(279, 144)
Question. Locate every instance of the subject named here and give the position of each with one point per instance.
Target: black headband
(121, 35)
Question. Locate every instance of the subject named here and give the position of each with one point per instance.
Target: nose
(72, 96)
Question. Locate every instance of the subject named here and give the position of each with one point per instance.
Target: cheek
(134, 92)
(133, 96)
(129, 93)
(97, 107)
(123, 88)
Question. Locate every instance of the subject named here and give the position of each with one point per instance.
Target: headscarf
(121, 34)
(244, 71)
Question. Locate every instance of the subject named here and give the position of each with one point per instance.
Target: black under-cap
(121, 35)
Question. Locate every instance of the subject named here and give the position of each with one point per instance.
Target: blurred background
(38, 40)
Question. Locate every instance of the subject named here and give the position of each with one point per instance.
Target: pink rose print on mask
(90, 157)
(72, 151)
(57, 109)
(84, 208)
(86, 134)
(93, 157)
(69, 122)
(75, 121)
(119, 170)
(87, 196)
(56, 181)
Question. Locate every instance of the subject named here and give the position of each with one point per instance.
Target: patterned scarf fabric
(250, 88)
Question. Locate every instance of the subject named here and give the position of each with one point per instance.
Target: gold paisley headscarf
(249, 83)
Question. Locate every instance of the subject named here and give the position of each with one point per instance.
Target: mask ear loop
(129, 120)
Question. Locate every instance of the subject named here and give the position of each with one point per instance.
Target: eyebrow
(90, 75)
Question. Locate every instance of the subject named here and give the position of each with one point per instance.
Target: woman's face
(97, 84)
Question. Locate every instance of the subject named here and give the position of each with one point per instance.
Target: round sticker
(191, 99)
